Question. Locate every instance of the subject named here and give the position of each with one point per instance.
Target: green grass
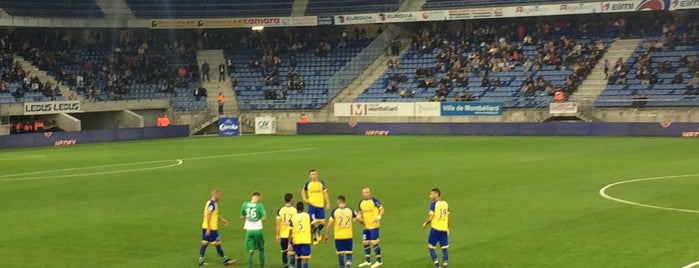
(515, 201)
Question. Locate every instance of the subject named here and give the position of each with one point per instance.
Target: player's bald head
(216, 194)
(366, 193)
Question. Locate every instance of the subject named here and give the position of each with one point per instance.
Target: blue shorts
(303, 251)
(317, 213)
(211, 237)
(370, 234)
(441, 237)
(343, 246)
(284, 243)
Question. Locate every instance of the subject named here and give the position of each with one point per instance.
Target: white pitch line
(694, 264)
(603, 193)
(14, 177)
(82, 168)
(178, 162)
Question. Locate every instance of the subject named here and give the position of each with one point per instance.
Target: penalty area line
(251, 153)
(177, 163)
(694, 264)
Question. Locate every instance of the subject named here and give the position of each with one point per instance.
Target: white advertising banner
(475, 13)
(51, 107)
(563, 108)
(684, 4)
(265, 125)
(281, 21)
(375, 109)
(633, 5)
(428, 109)
(554, 9)
(391, 17)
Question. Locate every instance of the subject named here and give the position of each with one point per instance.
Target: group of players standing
(297, 230)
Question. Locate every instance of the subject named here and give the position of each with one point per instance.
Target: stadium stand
(208, 8)
(82, 9)
(487, 66)
(664, 71)
(435, 4)
(319, 7)
(147, 66)
(289, 74)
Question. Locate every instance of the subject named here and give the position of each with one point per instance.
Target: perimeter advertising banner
(233, 22)
(684, 4)
(51, 107)
(391, 17)
(635, 5)
(229, 126)
(411, 109)
(265, 125)
(375, 109)
(563, 108)
(471, 108)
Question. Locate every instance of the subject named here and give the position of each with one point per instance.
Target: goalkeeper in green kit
(254, 214)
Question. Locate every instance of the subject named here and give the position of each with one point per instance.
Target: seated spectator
(72, 97)
(485, 82)
(678, 78)
(457, 97)
(639, 101)
(403, 93)
(413, 94)
(689, 90)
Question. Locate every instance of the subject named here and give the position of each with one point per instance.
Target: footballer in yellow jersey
(300, 236)
(341, 220)
(315, 194)
(370, 214)
(284, 215)
(209, 226)
(438, 219)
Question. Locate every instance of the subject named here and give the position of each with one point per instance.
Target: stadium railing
(347, 74)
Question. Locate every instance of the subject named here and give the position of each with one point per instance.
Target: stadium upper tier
(318, 7)
(50, 8)
(209, 8)
(489, 69)
(658, 74)
(435, 4)
(122, 71)
(255, 92)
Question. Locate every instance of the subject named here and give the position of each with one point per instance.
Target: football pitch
(515, 201)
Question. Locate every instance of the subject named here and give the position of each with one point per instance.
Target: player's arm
(327, 230)
(278, 228)
(242, 212)
(264, 213)
(208, 222)
(225, 222)
(430, 217)
(303, 195)
(327, 199)
(291, 237)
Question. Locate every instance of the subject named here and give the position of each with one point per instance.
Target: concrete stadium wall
(95, 121)
(505, 129)
(91, 136)
(64, 121)
(128, 119)
(4, 130)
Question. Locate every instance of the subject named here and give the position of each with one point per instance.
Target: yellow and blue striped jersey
(301, 228)
(370, 210)
(440, 210)
(316, 193)
(284, 215)
(342, 219)
(210, 208)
